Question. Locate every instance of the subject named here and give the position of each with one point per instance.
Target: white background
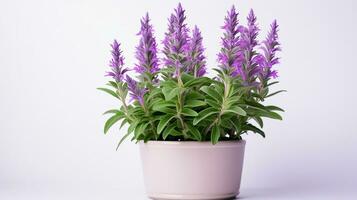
(53, 54)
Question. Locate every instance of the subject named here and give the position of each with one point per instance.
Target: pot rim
(228, 143)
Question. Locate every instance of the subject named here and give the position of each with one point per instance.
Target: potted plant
(189, 127)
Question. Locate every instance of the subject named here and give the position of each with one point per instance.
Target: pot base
(192, 197)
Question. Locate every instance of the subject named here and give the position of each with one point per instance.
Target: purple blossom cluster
(147, 49)
(248, 68)
(136, 93)
(118, 74)
(229, 57)
(116, 63)
(182, 52)
(267, 59)
(241, 55)
(195, 58)
(176, 40)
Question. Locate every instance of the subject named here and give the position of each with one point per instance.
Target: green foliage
(187, 108)
(112, 120)
(111, 92)
(215, 134)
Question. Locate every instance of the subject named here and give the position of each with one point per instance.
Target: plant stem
(227, 85)
(121, 95)
(180, 103)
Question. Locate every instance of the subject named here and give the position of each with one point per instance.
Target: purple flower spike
(147, 49)
(168, 34)
(176, 40)
(116, 63)
(229, 57)
(269, 47)
(136, 93)
(196, 59)
(249, 69)
(252, 31)
(201, 72)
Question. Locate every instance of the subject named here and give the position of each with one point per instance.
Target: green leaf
(213, 104)
(237, 110)
(137, 130)
(233, 100)
(111, 92)
(204, 114)
(194, 103)
(218, 71)
(197, 81)
(238, 91)
(254, 104)
(257, 96)
(155, 101)
(166, 91)
(262, 112)
(186, 77)
(194, 95)
(236, 126)
(140, 129)
(259, 120)
(163, 122)
(123, 123)
(219, 87)
(274, 93)
(132, 126)
(173, 93)
(159, 105)
(112, 120)
(272, 83)
(215, 134)
(274, 108)
(212, 93)
(166, 110)
(113, 84)
(154, 93)
(269, 114)
(168, 84)
(138, 111)
(168, 130)
(112, 111)
(195, 133)
(251, 127)
(122, 140)
(175, 133)
(170, 93)
(225, 123)
(189, 112)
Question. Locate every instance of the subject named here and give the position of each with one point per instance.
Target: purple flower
(116, 63)
(248, 39)
(136, 93)
(147, 49)
(176, 40)
(229, 56)
(249, 69)
(267, 59)
(168, 34)
(252, 29)
(196, 59)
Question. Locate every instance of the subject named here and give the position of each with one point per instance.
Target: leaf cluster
(188, 108)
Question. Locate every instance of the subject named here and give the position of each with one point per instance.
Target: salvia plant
(172, 99)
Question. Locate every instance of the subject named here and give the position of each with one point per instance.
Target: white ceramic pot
(192, 170)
